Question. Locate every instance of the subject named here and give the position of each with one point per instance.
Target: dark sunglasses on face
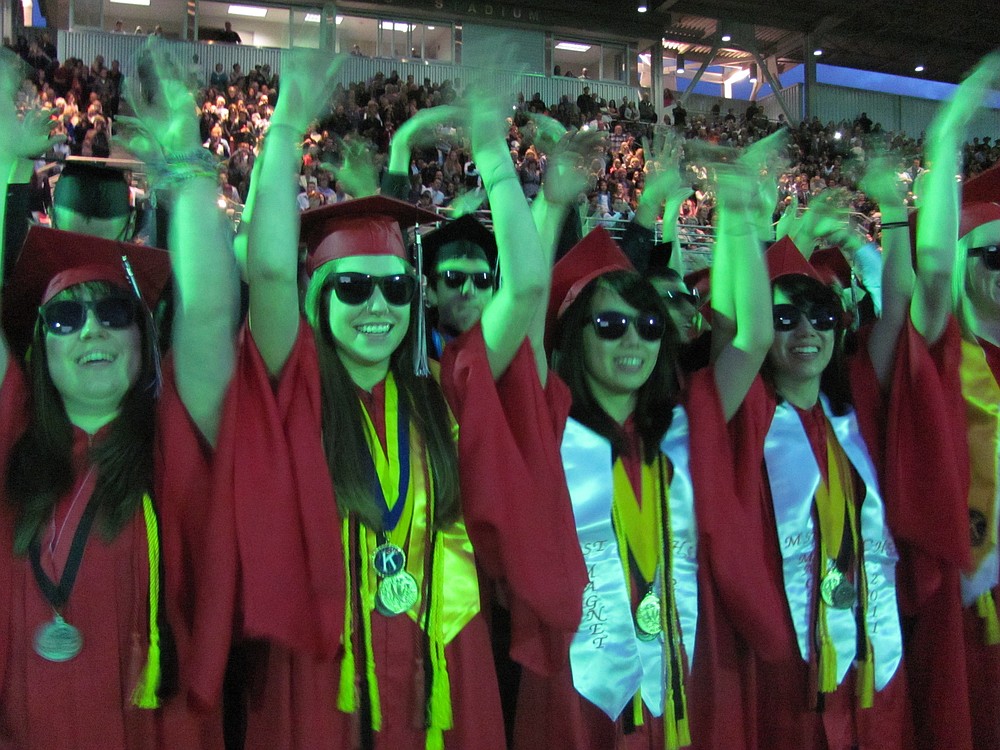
(70, 315)
(482, 280)
(611, 325)
(357, 288)
(820, 317)
(677, 298)
(990, 255)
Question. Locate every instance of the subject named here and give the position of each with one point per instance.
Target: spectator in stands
(229, 36)
(536, 105)
(586, 106)
(240, 167)
(119, 27)
(218, 78)
(647, 112)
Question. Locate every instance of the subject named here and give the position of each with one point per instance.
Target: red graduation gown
(552, 714)
(86, 702)
(895, 431)
(982, 661)
(290, 562)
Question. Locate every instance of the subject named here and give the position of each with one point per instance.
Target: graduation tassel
(986, 608)
(347, 699)
(676, 733)
(367, 605)
(866, 678)
(420, 366)
(145, 693)
(637, 709)
(827, 655)
(439, 710)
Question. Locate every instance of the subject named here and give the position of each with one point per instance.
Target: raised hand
(20, 137)
(358, 174)
(881, 182)
(308, 78)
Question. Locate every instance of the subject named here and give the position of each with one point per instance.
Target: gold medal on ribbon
(396, 594)
(57, 640)
(837, 591)
(647, 617)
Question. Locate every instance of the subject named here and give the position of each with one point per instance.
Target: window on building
(589, 59)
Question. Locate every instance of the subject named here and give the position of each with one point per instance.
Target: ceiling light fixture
(727, 37)
(680, 64)
(572, 46)
(919, 69)
(311, 18)
(247, 10)
(817, 52)
(642, 8)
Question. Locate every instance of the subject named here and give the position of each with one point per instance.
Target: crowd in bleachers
(236, 106)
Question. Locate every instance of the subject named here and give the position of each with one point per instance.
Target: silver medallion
(396, 594)
(57, 640)
(647, 617)
(837, 591)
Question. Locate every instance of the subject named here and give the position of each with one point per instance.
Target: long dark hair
(343, 422)
(803, 293)
(656, 398)
(40, 468)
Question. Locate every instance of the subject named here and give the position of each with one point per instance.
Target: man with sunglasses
(460, 260)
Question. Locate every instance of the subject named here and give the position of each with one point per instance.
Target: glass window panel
(305, 28)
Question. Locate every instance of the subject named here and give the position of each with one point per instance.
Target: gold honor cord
(652, 552)
(145, 695)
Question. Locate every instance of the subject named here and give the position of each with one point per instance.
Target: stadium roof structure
(885, 36)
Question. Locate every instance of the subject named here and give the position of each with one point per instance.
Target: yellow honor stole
(835, 501)
(441, 613)
(642, 528)
(982, 400)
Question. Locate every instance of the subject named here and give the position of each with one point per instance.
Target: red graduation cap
(365, 226)
(980, 200)
(783, 258)
(831, 265)
(594, 255)
(52, 260)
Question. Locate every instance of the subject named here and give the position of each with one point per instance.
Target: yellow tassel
(439, 704)
(866, 680)
(144, 695)
(435, 740)
(827, 656)
(683, 733)
(367, 605)
(987, 610)
(347, 700)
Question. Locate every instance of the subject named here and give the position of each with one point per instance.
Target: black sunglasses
(820, 317)
(356, 288)
(70, 315)
(611, 325)
(990, 255)
(676, 298)
(482, 280)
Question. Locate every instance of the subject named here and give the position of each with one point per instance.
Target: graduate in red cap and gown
(970, 361)
(105, 463)
(353, 504)
(654, 660)
(977, 353)
(827, 456)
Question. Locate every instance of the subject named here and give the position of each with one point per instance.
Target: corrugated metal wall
(125, 48)
(792, 98)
